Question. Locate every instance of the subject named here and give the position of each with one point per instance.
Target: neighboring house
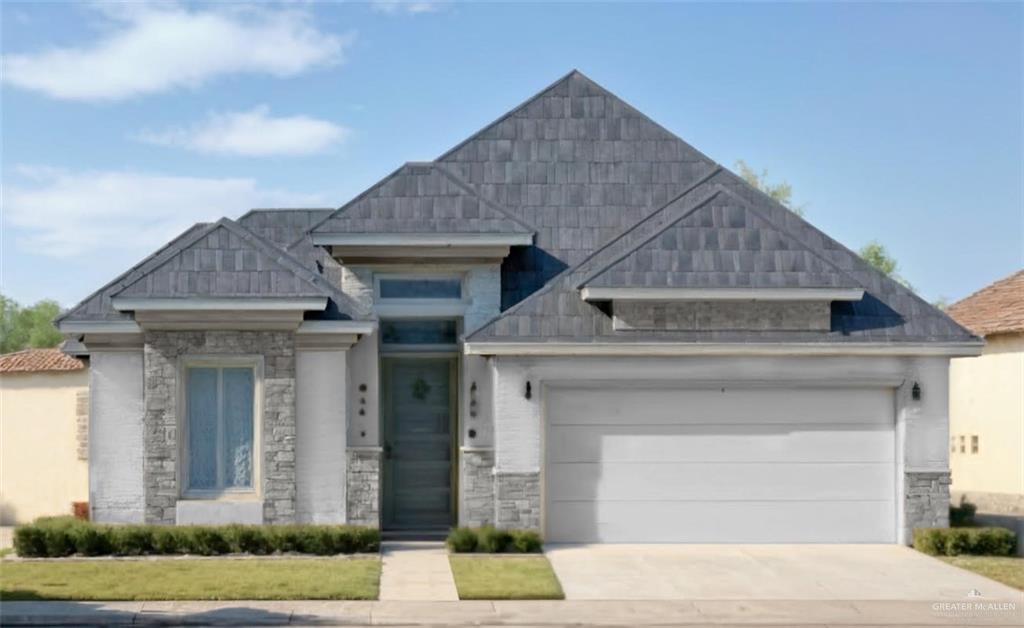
(44, 402)
(571, 321)
(986, 400)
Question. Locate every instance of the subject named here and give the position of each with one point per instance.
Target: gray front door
(417, 402)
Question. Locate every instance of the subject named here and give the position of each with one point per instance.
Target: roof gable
(421, 198)
(723, 244)
(224, 260)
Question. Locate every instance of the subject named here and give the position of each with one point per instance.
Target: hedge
(490, 540)
(963, 515)
(956, 541)
(65, 536)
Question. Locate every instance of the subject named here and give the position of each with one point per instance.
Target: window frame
(255, 362)
(460, 277)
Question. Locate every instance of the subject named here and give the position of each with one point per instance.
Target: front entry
(418, 410)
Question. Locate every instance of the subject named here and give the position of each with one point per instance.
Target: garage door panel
(719, 481)
(695, 465)
(721, 443)
(718, 522)
(661, 406)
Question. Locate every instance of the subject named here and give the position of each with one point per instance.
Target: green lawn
(1005, 569)
(184, 579)
(490, 577)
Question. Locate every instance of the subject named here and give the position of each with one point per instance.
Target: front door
(418, 401)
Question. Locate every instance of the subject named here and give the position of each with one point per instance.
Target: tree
(25, 327)
(781, 191)
(877, 255)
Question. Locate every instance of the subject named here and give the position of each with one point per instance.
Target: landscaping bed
(351, 578)
(490, 540)
(504, 578)
(57, 537)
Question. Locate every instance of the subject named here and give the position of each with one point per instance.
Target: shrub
(491, 540)
(64, 536)
(962, 515)
(131, 540)
(956, 541)
(526, 541)
(461, 540)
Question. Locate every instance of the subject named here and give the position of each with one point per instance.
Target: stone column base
(517, 500)
(362, 495)
(476, 487)
(925, 500)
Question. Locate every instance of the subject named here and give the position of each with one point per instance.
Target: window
(220, 422)
(418, 332)
(952, 444)
(974, 444)
(412, 287)
(963, 447)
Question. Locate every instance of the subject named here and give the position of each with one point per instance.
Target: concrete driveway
(764, 572)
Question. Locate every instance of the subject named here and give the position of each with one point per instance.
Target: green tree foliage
(781, 191)
(877, 255)
(28, 327)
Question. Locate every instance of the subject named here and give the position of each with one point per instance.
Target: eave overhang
(219, 304)
(423, 239)
(660, 349)
(721, 294)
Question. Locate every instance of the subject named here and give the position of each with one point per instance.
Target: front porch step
(428, 534)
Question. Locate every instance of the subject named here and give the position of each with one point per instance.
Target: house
(986, 400)
(572, 321)
(44, 423)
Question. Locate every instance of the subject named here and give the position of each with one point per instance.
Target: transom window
(220, 411)
(418, 332)
(419, 287)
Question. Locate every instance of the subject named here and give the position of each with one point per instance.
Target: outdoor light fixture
(529, 392)
(915, 392)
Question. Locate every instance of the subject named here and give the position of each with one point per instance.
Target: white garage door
(734, 465)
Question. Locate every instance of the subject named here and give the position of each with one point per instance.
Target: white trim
(336, 327)
(962, 349)
(423, 239)
(144, 304)
(722, 294)
(99, 327)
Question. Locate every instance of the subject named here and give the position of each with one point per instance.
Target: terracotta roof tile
(38, 360)
(995, 309)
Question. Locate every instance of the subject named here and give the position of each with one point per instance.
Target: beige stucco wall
(40, 470)
(986, 399)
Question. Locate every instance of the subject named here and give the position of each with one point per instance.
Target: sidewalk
(502, 613)
(416, 571)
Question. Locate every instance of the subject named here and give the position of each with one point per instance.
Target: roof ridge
(166, 249)
(457, 180)
(554, 281)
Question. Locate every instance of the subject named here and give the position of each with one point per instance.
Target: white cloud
(67, 214)
(151, 48)
(251, 133)
(414, 7)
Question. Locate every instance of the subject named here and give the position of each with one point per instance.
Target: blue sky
(124, 123)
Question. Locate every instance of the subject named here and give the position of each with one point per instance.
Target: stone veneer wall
(517, 500)
(722, 315)
(362, 494)
(161, 421)
(926, 497)
(476, 487)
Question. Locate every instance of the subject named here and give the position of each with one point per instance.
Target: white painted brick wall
(320, 462)
(116, 493)
(517, 429)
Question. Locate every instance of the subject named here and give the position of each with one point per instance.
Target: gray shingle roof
(721, 244)
(283, 226)
(421, 198)
(154, 273)
(225, 260)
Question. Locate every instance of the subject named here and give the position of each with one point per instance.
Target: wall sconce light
(915, 392)
(472, 433)
(529, 391)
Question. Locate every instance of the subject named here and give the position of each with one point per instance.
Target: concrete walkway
(523, 613)
(416, 571)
